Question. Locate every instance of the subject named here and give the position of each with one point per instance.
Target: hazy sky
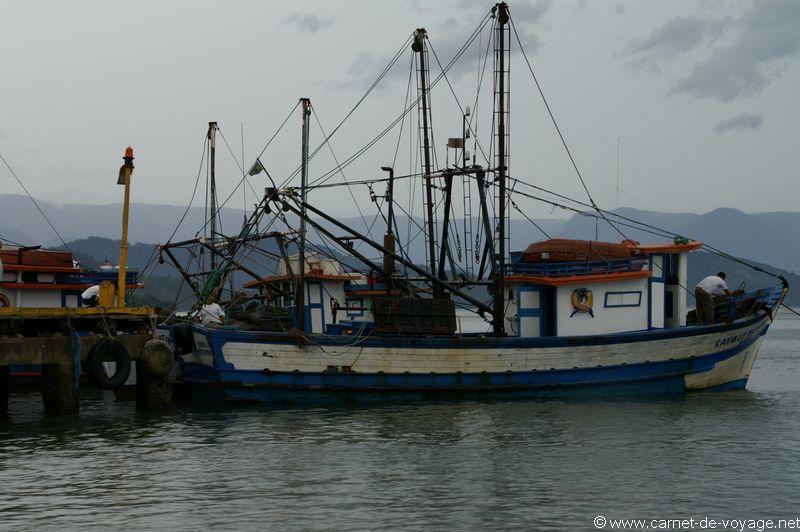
(702, 93)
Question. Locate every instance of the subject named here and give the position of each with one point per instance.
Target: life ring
(108, 350)
(4, 302)
(582, 300)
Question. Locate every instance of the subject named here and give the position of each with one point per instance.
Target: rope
(790, 309)
(75, 352)
(514, 204)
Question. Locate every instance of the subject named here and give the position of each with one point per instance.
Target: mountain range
(769, 237)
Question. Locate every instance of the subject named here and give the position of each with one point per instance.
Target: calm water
(476, 465)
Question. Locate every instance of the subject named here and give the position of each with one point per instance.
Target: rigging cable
(569, 152)
(145, 273)
(391, 125)
(358, 103)
(257, 158)
(21, 184)
(458, 102)
(558, 129)
(661, 231)
(336, 160)
(240, 166)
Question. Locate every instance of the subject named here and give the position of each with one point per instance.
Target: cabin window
(46, 278)
(623, 299)
(287, 299)
(30, 277)
(671, 268)
(669, 304)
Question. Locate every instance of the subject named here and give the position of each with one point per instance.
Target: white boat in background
(33, 277)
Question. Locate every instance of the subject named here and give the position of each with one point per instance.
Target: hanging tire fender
(4, 301)
(183, 338)
(108, 350)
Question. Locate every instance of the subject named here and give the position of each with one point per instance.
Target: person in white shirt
(90, 295)
(704, 292)
(211, 313)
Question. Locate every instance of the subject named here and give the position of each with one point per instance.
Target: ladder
(469, 263)
(425, 130)
(505, 97)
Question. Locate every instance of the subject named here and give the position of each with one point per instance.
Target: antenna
(617, 172)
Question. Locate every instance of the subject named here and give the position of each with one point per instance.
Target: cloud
(740, 121)
(448, 36)
(528, 19)
(620, 8)
(308, 22)
(766, 39)
(746, 55)
(678, 36)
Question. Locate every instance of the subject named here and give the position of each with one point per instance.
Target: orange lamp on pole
(125, 172)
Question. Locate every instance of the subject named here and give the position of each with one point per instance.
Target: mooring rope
(75, 353)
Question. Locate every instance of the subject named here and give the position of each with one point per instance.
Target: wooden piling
(59, 388)
(4, 389)
(153, 376)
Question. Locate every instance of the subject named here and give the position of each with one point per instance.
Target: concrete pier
(46, 337)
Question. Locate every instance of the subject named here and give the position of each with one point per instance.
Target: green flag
(257, 168)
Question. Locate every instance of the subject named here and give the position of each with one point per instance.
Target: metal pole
(212, 137)
(499, 292)
(388, 238)
(419, 46)
(300, 307)
(445, 247)
(124, 179)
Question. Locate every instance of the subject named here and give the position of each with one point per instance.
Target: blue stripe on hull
(206, 394)
(649, 377)
(738, 384)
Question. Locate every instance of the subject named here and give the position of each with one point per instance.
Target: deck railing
(98, 277)
(564, 269)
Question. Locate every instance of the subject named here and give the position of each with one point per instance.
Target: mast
(444, 249)
(388, 238)
(299, 306)
(212, 137)
(419, 47)
(498, 320)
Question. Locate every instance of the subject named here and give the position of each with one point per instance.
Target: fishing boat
(368, 322)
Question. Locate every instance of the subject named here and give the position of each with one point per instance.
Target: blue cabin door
(529, 311)
(315, 310)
